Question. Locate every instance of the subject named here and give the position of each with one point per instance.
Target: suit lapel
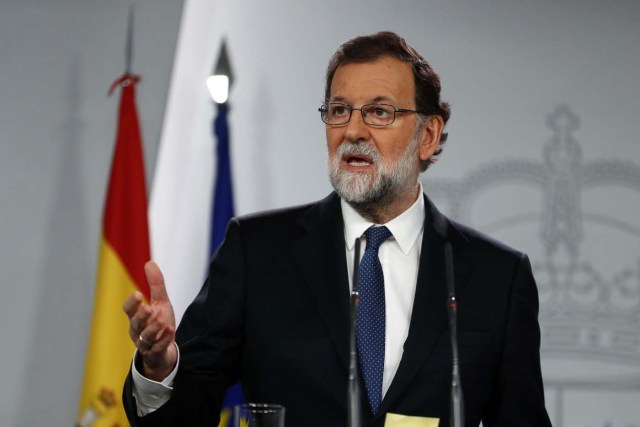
(320, 253)
(429, 315)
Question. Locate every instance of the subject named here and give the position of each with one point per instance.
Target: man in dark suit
(274, 311)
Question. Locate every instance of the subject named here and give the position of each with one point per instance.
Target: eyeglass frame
(324, 109)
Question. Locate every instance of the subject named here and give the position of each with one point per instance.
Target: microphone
(353, 389)
(457, 402)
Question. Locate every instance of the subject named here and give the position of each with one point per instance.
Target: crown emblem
(98, 407)
(578, 222)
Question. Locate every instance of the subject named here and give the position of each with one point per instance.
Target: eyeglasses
(337, 113)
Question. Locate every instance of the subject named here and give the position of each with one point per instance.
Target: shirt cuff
(151, 395)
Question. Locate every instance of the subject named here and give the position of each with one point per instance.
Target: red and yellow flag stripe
(124, 248)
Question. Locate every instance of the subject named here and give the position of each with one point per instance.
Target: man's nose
(357, 129)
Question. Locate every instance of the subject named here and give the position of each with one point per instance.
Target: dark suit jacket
(274, 313)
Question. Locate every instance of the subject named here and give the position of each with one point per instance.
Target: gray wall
(506, 66)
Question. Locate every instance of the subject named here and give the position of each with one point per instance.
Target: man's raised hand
(152, 327)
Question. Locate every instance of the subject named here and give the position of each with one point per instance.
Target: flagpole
(124, 248)
(128, 50)
(219, 84)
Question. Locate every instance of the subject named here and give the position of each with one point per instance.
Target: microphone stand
(457, 401)
(353, 390)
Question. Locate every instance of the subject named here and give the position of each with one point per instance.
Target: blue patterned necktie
(370, 326)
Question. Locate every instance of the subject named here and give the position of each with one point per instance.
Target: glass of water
(258, 415)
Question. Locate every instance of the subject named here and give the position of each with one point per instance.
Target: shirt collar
(405, 228)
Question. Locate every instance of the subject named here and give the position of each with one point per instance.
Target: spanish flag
(124, 248)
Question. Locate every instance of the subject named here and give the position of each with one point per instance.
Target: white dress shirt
(149, 394)
(399, 256)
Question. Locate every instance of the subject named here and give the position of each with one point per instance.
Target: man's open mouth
(357, 160)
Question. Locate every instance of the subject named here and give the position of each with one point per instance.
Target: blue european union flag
(223, 191)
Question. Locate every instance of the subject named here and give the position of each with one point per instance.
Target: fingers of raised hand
(140, 318)
(155, 339)
(151, 326)
(149, 335)
(151, 330)
(156, 282)
(142, 343)
(132, 303)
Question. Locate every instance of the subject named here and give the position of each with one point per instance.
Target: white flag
(180, 202)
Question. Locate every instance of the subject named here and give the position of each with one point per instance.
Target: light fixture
(220, 81)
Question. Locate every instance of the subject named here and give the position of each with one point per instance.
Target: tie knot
(375, 236)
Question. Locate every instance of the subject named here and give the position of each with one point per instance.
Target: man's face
(377, 164)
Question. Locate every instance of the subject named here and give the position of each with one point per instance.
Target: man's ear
(430, 136)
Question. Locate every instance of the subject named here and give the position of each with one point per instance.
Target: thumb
(156, 283)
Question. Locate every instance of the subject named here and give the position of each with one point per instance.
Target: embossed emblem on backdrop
(578, 219)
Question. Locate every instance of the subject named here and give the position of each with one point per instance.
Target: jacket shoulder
(292, 218)
(485, 244)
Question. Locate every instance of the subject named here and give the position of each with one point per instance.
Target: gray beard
(368, 194)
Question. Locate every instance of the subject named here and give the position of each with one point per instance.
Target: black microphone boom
(457, 402)
(353, 393)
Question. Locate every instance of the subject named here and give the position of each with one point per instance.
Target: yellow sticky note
(397, 420)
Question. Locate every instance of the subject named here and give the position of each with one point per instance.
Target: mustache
(359, 149)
